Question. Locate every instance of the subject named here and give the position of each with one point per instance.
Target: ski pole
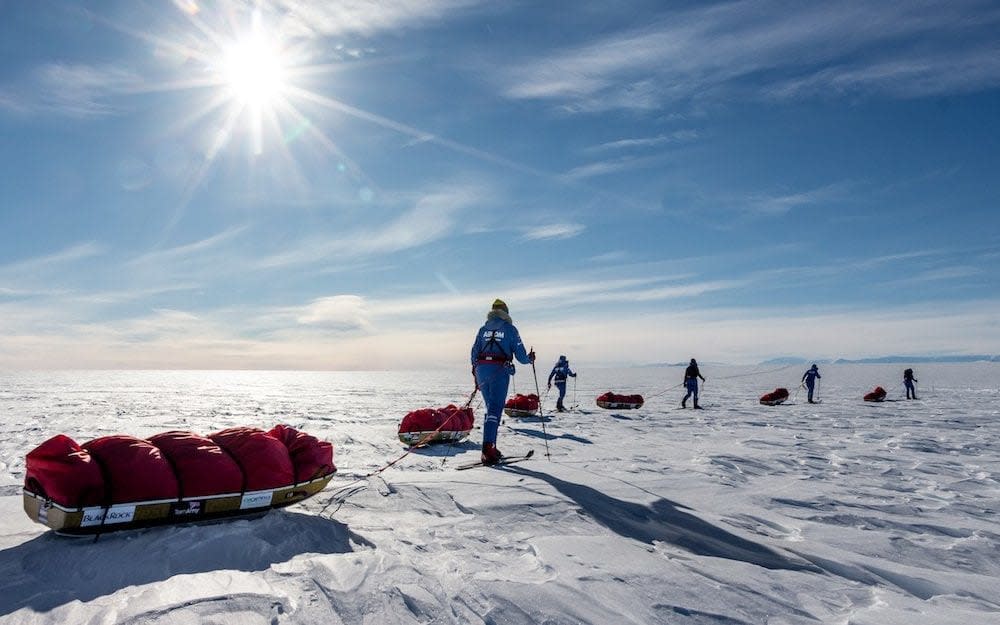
(541, 416)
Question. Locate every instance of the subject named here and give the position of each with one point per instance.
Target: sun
(252, 71)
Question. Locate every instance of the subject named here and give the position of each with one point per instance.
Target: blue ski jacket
(809, 377)
(498, 343)
(561, 371)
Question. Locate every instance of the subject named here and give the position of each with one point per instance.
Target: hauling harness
(486, 357)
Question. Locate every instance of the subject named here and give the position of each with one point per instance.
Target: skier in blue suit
(559, 373)
(809, 378)
(691, 375)
(497, 345)
(908, 381)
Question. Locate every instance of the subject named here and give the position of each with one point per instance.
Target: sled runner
(123, 482)
(612, 401)
(450, 424)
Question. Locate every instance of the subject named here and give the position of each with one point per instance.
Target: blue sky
(325, 185)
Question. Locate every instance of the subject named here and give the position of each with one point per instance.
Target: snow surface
(839, 512)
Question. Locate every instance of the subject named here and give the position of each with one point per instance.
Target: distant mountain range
(794, 360)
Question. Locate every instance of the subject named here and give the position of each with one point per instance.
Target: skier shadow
(552, 437)
(50, 571)
(669, 522)
(444, 449)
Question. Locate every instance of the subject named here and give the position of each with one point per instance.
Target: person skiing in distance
(691, 375)
(908, 381)
(496, 346)
(809, 379)
(559, 373)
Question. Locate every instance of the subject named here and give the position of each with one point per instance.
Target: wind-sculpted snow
(838, 512)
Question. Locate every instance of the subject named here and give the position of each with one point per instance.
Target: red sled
(877, 394)
(775, 397)
(426, 426)
(123, 482)
(613, 401)
(522, 406)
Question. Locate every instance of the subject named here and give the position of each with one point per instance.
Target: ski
(503, 461)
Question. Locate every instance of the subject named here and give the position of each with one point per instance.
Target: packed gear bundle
(450, 424)
(613, 401)
(775, 397)
(877, 394)
(120, 482)
(522, 406)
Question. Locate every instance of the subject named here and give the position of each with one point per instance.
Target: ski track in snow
(837, 512)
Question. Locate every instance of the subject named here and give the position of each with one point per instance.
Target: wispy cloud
(540, 296)
(610, 257)
(553, 231)
(431, 218)
(890, 259)
(337, 312)
(684, 290)
(72, 89)
(788, 49)
(69, 255)
(950, 274)
(771, 205)
(182, 252)
(362, 17)
(104, 298)
(919, 73)
(679, 136)
(611, 166)
(337, 339)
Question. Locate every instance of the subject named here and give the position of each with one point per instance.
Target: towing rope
(358, 484)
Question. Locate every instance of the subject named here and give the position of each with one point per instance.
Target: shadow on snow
(666, 521)
(551, 437)
(49, 571)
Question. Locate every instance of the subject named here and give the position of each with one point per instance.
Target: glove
(531, 356)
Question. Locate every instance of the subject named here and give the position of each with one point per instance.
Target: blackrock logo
(186, 508)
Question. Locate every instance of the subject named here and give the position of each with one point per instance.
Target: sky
(349, 185)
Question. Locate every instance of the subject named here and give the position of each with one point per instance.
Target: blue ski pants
(561, 385)
(493, 383)
(692, 388)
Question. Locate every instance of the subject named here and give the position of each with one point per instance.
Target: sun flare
(253, 72)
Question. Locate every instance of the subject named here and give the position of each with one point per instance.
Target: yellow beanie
(499, 303)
